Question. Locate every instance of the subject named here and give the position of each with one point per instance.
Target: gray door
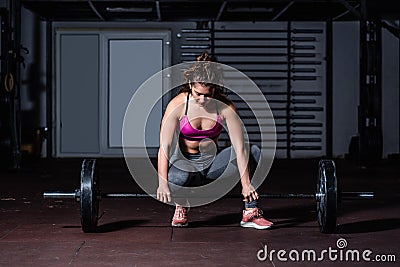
(78, 94)
(132, 62)
(97, 73)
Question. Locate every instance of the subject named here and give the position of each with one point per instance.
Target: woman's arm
(167, 131)
(236, 135)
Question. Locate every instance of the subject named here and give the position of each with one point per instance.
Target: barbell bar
(327, 196)
(76, 195)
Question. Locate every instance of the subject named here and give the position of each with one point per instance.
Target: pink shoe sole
(254, 225)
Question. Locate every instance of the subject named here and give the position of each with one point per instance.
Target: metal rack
(284, 61)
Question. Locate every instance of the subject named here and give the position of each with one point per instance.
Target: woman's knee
(177, 176)
(255, 152)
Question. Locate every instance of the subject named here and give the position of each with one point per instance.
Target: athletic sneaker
(180, 217)
(253, 218)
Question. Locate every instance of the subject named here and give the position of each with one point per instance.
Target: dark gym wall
(33, 77)
(345, 60)
(345, 79)
(390, 93)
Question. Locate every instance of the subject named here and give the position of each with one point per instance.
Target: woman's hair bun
(204, 57)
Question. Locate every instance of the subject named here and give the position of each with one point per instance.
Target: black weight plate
(326, 196)
(89, 196)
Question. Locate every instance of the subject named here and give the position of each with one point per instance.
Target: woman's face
(201, 93)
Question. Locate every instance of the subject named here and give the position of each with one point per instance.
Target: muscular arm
(236, 135)
(168, 126)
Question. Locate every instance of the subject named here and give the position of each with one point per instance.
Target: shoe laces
(180, 212)
(257, 213)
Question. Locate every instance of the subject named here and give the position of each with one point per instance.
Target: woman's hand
(163, 192)
(249, 193)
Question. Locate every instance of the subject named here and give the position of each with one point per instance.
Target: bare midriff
(194, 147)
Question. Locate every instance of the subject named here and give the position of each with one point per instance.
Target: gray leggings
(200, 169)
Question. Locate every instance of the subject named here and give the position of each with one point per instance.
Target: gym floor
(137, 232)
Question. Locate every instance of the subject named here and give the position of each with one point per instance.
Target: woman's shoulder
(226, 108)
(226, 103)
(177, 103)
(179, 99)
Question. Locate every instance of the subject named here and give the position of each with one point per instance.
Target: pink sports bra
(192, 134)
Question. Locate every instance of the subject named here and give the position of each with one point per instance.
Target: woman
(198, 111)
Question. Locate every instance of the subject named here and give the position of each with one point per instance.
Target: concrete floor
(136, 232)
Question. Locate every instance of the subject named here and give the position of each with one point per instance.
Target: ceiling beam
(344, 13)
(158, 9)
(221, 10)
(350, 8)
(94, 9)
(282, 11)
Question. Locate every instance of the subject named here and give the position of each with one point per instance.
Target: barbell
(327, 195)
